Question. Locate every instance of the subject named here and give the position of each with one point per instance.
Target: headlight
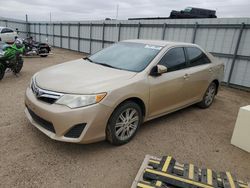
(76, 101)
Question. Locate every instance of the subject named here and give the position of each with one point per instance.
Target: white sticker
(153, 47)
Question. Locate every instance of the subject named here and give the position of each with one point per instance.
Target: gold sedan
(108, 95)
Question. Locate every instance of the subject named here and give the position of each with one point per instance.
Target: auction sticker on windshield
(153, 47)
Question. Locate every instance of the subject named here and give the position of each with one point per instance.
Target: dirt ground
(28, 158)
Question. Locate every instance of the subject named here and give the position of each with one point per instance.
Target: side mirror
(158, 70)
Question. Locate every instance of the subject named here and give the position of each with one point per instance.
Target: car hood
(81, 77)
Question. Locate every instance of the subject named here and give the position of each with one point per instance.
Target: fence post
(139, 28)
(28, 29)
(103, 30)
(195, 30)
(235, 53)
(68, 35)
(163, 31)
(79, 30)
(119, 32)
(47, 34)
(53, 34)
(6, 23)
(39, 30)
(90, 38)
(34, 30)
(60, 35)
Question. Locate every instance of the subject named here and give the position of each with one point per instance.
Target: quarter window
(174, 59)
(196, 56)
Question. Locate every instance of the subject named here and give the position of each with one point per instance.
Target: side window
(196, 56)
(6, 30)
(174, 59)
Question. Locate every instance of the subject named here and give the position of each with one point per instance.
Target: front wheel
(18, 67)
(208, 98)
(124, 123)
(2, 71)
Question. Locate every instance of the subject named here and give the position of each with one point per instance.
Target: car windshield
(188, 9)
(126, 56)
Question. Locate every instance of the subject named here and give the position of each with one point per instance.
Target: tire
(208, 97)
(43, 50)
(119, 130)
(2, 71)
(18, 66)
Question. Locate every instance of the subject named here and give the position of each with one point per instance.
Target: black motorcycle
(33, 48)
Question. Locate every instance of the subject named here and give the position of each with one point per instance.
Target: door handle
(186, 76)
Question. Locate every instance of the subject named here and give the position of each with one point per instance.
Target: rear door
(199, 73)
(166, 90)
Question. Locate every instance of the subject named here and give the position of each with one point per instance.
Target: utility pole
(117, 11)
(116, 17)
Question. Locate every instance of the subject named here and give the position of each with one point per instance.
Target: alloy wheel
(126, 124)
(210, 95)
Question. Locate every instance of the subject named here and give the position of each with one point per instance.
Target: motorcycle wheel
(2, 71)
(43, 50)
(16, 69)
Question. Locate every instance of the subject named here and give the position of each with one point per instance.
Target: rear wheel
(208, 98)
(123, 123)
(44, 51)
(2, 71)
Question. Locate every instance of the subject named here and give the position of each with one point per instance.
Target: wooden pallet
(167, 172)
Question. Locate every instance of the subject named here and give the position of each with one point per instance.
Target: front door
(166, 90)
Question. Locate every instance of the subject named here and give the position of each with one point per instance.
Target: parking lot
(28, 158)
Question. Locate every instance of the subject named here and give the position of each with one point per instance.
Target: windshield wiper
(87, 58)
(106, 65)
(103, 64)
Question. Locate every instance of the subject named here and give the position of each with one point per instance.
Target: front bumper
(63, 119)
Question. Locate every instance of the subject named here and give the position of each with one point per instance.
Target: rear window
(6, 30)
(196, 56)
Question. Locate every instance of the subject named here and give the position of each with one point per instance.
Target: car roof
(162, 43)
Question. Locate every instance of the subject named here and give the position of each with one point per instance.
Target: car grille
(45, 95)
(42, 122)
(47, 100)
(76, 131)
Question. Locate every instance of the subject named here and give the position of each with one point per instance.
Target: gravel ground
(28, 158)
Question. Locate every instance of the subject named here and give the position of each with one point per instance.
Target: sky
(77, 10)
